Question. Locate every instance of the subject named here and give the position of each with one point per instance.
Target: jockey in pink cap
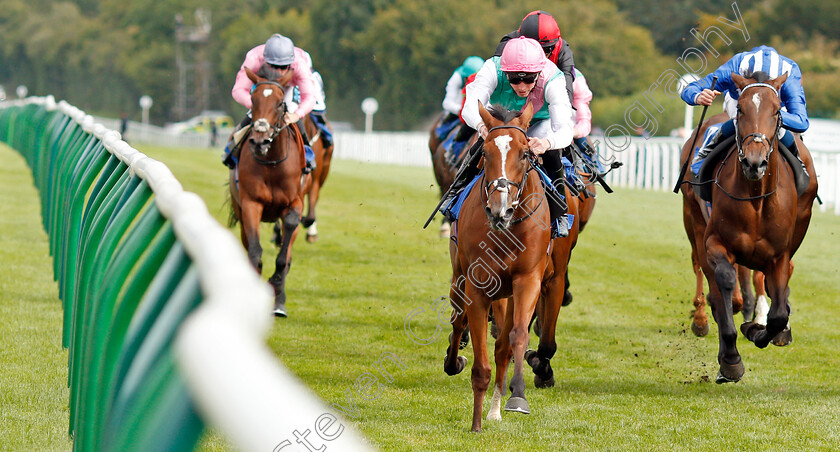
(522, 75)
(273, 60)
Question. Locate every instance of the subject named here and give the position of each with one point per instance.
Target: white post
(369, 107)
(22, 91)
(688, 124)
(145, 104)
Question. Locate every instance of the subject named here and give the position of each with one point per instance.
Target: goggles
(515, 78)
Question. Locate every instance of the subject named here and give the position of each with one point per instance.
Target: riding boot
(310, 154)
(467, 171)
(457, 144)
(726, 130)
(790, 143)
(230, 157)
(557, 207)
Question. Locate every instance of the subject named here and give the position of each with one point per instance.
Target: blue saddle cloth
(453, 209)
(445, 128)
(321, 123)
(697, 160)
(310, 154)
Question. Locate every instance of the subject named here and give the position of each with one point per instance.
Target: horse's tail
(232, 220)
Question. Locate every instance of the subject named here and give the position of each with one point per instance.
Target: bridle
(756, 136)
(261, 125)
(502, 184)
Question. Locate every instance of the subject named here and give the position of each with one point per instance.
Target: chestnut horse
(757, 220)
(271, 183)
(504, 249)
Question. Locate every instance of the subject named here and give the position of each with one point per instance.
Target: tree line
(103, 55)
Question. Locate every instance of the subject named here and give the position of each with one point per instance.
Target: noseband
(502, 185)
(756, 136)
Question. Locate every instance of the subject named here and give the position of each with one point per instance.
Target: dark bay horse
(270, 184)
(503, 249)
(695, 219)
(757, 220)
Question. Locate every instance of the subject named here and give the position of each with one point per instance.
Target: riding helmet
(522, 55)
(541, 26)
(279, 50)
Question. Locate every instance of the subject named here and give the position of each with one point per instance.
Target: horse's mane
(758, 76)
(503, 114)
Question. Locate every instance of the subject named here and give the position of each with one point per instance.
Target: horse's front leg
(526, 290)
(250, 213)
(540, 360)
(454, 364)
(291, 220)
(309, 221)
(777, 279)
(720, 271)
(745, 281)
(503, 353)
(700, 322)
(477, 313)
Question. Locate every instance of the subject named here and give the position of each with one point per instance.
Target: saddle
(704, 178)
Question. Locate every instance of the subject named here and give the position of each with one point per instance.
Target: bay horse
(323, 159)
(268, 184)
(504, 250)
(757, 219)
(444, 173)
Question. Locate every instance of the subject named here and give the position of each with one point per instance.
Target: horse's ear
(739, 80)
(527, 114)
(778, 81)
(485, 115)
(251, 75)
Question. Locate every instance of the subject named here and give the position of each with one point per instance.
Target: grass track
(630, 374)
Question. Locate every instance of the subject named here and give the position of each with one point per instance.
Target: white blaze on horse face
(503, 143)
(267, 92)
(757, 101)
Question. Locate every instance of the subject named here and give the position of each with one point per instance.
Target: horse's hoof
(460, 364)
(531, 358)
(518, 405)
(700, 331)
(751, 329)
(783, 338)
(567, 298)
(280, 311)
(730, 373)
(311, 238)
(542, 384)
(494, 416)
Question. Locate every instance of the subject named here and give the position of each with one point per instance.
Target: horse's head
(758, 121)
(506, 155)
(267, 110)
